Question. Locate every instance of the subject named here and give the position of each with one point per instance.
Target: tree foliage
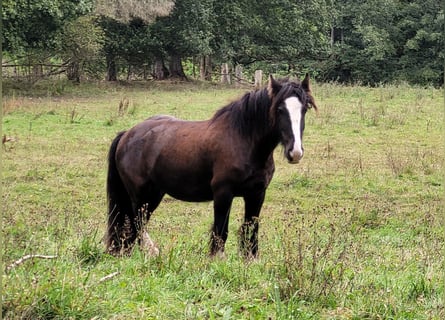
(342, 40)
(80, 44)
(387, 40)
(422, 46)
(126, 10)
(275, 30)
(31, 25)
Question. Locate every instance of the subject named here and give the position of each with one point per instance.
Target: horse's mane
(248, 114)
(251, 115)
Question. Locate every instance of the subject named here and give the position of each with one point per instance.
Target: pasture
(354, 231)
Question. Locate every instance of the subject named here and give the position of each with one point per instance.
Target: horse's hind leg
(117, 232)
(143, 211)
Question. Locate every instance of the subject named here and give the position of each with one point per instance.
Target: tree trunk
(73, 71)
(205, 69)
(160, 72)
(111, 69)
(176, 70)
(208, 68)
(38, 71)
(145, 71)
(202, 68)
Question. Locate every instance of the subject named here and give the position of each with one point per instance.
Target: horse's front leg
(222, 202)
(249, 229)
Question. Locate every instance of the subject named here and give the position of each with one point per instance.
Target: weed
(90, 251)
(109, 122)
(74, 116)
(398, 165)
(123, 107)
(315, 258)
(419, 288)
(57, 88)
(12, 103)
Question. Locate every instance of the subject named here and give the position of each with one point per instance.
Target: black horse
(227, 156)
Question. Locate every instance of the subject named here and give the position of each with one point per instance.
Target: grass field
(355, 231)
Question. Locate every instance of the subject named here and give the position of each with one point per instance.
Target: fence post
(238, 75)
(202, 68)
(225, 76)
(258, 79)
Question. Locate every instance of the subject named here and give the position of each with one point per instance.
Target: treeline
(369, 42)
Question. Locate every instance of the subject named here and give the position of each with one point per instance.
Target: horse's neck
(265, 145)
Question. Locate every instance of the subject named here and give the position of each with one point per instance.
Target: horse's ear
(273, 87)
(305, 83)
(306, 87)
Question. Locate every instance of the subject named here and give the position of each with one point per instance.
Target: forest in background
(369, 42)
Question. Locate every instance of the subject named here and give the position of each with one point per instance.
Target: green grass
(355, 231)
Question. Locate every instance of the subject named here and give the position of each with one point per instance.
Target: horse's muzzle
(294, 156)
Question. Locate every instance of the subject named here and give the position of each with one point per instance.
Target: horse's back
(163, 117)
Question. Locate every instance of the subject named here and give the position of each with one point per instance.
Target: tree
(270, 31)
(365, 50)
(186, 32)
(31, 29)
(80, 43)
(114, 34)
(124, 19)
(35, 25)
(421, 48)
(386, 40)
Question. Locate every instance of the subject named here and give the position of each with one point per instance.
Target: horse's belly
(202, 197)
(193, 186)
(190, 193)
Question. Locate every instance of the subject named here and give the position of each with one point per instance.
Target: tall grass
(354, 231)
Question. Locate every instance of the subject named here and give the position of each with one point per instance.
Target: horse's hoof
(148, 246)
(220, 255)
(251, 257)
(113, 250)
(119, 252)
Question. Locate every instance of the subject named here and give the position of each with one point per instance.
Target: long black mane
(251, 115)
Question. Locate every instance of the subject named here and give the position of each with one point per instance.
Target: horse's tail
(119, 204)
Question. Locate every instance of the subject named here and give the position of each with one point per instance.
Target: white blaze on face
(294, 107)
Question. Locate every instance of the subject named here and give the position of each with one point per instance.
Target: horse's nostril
(294, 156)
(289, 154)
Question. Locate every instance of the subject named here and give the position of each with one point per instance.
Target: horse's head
(290, 101)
